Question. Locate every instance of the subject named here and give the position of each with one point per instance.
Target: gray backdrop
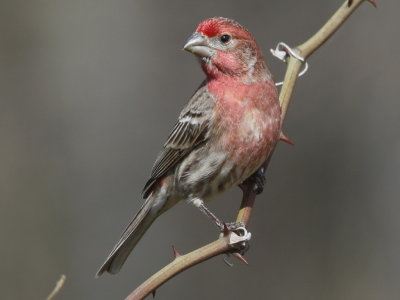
(89, 91)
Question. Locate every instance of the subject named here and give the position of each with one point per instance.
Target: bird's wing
(191, 130)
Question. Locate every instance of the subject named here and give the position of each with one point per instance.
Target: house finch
(224, 134)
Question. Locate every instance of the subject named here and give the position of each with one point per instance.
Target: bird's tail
(149, 211)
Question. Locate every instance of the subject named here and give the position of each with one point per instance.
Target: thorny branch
(231, 242)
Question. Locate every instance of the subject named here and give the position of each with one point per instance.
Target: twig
(179, 264)
(223, 245)
(57, 288)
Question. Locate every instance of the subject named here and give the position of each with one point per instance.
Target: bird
(224, 134)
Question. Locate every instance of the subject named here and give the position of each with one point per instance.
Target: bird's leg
(200, 205)
(222, 226)
(258, 179)
(225, 228)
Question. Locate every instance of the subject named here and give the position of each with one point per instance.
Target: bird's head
(226, 48)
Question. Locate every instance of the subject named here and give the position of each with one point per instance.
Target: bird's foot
(238, 233)
(239, 239)
(257, 179)
(233, 226)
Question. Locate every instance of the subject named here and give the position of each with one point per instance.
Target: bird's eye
(225, 38)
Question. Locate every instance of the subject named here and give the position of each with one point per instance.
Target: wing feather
(191, 130)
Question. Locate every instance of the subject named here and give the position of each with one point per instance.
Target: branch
(291, 75)
(232, 243)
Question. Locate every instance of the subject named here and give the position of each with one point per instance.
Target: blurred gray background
(89, 91)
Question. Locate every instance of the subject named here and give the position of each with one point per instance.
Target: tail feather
(130, 237)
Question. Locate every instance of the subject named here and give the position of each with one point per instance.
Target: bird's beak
(198, 45)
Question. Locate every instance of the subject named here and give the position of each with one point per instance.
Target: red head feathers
(218, 26)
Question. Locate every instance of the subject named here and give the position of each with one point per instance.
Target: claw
(227, 261)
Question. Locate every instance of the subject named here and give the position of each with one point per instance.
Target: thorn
(240, 257)
(176, 253)
(154, 293)
(283, 138)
